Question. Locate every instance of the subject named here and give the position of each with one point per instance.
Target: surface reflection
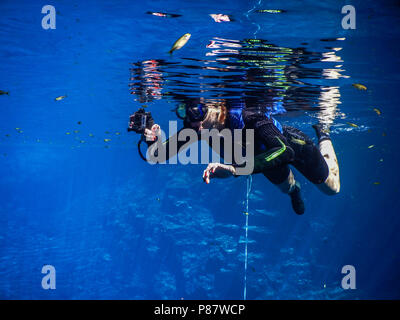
(253, 71)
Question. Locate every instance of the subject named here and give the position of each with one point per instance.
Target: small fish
(107, 140)
(144, 106)
(378, 112)
(164, 14)
(17, 129)
(118, 133)
(371, 146)
(376, 183)
(352, 125)
(79, 122)
(91, 135)
(60, 98)
(4, 92)
(68, 133)
(82, 141)
(359, 86)
(180, 42)
(329, 39)
(270, 11)
(324, 286)
(76, 131)
(380, 160)
(299, 141)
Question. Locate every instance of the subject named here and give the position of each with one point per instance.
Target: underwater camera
(140, 120)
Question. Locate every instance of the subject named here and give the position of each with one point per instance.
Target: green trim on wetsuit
(276, 153)
(273, 157)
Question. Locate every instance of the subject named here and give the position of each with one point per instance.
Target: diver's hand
(152, 134)
(218, 170)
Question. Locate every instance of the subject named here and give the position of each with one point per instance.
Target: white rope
(249, 183)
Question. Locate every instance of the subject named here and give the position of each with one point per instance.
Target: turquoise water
(75, 194)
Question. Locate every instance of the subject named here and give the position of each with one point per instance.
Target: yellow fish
(377, 183)
(359, 86)
(270, 11)
(107, 140)
(298, 141)
(60, 98)
(378, 112)
(180, 42)
(352, 125)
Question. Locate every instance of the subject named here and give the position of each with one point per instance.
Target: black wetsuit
(301, 152)
(308, 160)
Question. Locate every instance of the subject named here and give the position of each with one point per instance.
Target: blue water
(75, 194)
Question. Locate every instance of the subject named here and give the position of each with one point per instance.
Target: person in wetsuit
(276, 147)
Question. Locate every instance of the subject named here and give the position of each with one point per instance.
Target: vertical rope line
(249, 183)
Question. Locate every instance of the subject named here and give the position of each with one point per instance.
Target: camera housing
(140, 120)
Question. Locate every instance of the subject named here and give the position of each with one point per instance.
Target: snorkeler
(276, 147)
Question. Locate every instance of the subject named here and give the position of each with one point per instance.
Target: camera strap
(139, 149)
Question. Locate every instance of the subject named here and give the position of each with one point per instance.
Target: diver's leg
(308, 158)
(287, 185)
(331, 185)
